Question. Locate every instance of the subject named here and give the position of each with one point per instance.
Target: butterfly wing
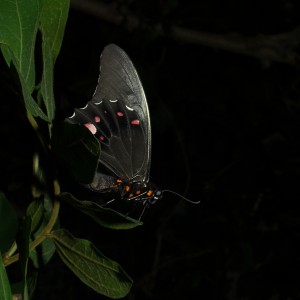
(118, 116)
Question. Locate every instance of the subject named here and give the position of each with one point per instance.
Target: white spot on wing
(97, 103)
(113, 100)
(72, 115)
(84, 107)
(129, 108)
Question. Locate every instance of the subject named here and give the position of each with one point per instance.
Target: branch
(267, 48)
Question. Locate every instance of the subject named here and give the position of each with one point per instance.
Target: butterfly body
(118, 117)
(134, 191)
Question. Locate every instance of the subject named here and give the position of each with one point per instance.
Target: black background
(225, 131)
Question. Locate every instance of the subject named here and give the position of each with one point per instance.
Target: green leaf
(16, 287)
(91, 266)
(30, 103)
(19, 20)
(78, 149)
(47, 81)
(8, 224)
(23, 240)
(36, 211)
(43, 254)
(31, 283)
(53, 21)
(104, 216)
(5, 291)
(46, 249)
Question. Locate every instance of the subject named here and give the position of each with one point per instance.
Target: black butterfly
(118, 117)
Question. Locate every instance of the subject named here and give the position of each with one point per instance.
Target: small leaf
(52, 24)
(23, 240)
(78, 149)
(30, 103)
(19, 20)
(43, 254)
(105, 217)
(91, 266)
(53, 21)
(36, 211)
(31, 283)
(46, 249)
(5, 291)
(16, 287)
(47, 80)
(8, 224)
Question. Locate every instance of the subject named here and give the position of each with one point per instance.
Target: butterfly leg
(146, 205)
(108, 202)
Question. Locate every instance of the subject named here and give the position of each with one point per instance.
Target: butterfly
(118, 116)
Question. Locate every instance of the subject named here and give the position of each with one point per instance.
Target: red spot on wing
(91, 127)
(120, 114)
(101, 138)
(135, 122)
(97, 119)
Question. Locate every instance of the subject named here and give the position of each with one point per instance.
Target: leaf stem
(35, 126)
(11, 250)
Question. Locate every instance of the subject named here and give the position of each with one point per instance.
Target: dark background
(224, 105)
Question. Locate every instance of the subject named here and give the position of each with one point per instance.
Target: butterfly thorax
(137, 191)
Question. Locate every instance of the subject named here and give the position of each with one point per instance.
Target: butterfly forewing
(118, 117)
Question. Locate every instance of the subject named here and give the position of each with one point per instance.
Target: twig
(268, 48)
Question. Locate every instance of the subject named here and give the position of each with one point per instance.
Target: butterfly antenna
(144, 208)
(182, 197)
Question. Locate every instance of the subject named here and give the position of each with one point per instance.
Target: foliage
(28, 28)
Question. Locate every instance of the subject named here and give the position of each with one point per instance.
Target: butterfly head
(155, 195)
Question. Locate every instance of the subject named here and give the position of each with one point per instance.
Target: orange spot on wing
(150, 193)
